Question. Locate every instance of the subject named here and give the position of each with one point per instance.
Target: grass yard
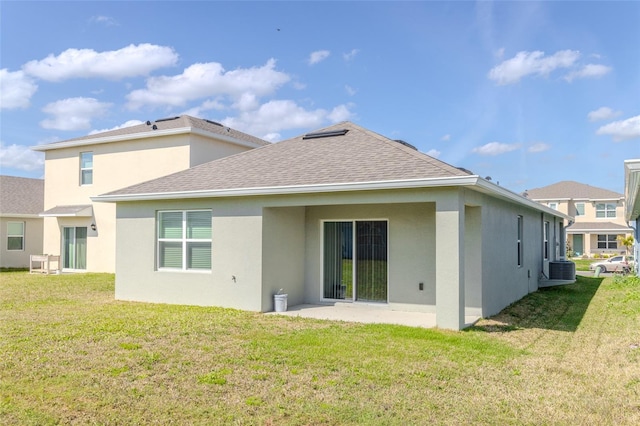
(70, 354)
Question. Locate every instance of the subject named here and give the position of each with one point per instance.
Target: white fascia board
(599, 231)
(295, 189)
(550, 199)
(504, 193)
(472, 181)
(145, 135)
(19, 216)
(632, 189)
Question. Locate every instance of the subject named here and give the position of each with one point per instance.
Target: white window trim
(520, 240)
(353, 266)
(606, 210)
(607, 242)
(578, 214)
(553, 205)
(184, 241)
(545, 240)
(82, 169)
(24, 225)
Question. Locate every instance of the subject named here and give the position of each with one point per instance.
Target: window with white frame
(545, 237)
(86, 168)
(608, 242)
(553, 206)
(579, 209)
(184, 240)
(604, 210)
(519, 240)
(15, 236)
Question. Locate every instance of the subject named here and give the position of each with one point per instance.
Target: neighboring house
(598, 214)
(632, 199)
(21, 200)
(82, 232)
(341, 214)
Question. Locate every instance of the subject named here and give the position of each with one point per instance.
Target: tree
(626, 241)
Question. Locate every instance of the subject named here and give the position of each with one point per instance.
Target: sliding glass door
(74, 248)
(355, 260)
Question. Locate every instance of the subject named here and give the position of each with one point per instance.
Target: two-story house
(21, 200)
(82, 232)
(599, 216)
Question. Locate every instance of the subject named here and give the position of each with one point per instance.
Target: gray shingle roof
(596, 226)
(20, 195)
(358, 156)
(183, 121)
(572, 190)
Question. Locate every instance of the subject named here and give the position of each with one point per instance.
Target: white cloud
(20, 157)
(499, 53)
(446, 137)
(603, 113)
(198, 111)
(539, 147)
(318, 56)
(130, 61)
(350, 55)
(17, 89)
(122, 126)
(350, 90)
(208, 79)
(275, 116)
(588, 71)
(104, 20)
(623, 129)
(73, 113)
(433, 153)
(496, 148)
(531, 63)
(272, 137)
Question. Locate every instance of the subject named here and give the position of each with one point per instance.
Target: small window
(605, 210)
(519, 240)
(553, 206)
(184, 240)
(15, 236)
(86, 168)
(608, 242)
(546, 240)
(579, 209)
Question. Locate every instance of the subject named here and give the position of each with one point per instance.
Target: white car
(614, 264)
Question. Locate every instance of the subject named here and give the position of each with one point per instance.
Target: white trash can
(280, 302)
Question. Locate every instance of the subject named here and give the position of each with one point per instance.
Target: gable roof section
(357, 156)
(163, 127)
(21, 197)
(567, 189)
(582, 227)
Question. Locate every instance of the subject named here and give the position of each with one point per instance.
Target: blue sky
(529, 93)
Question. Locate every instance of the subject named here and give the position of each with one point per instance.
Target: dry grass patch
(70, 354)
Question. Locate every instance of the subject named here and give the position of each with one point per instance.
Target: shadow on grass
(554, 308)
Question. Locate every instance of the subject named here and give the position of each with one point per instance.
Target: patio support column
(450, 263)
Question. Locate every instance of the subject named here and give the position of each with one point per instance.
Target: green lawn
(70, 354)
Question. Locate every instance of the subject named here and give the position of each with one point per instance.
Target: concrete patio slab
(366, 313)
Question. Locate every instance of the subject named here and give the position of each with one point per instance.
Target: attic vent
(400, 141)
(465, 170)
(328, 134)
(166, 119)
(213, 122)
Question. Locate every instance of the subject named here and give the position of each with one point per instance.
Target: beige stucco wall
(115, 165)
(32, 242)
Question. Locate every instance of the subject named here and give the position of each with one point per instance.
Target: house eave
(632, 189)
(144, 135)
(471, 181)
(19, 216)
